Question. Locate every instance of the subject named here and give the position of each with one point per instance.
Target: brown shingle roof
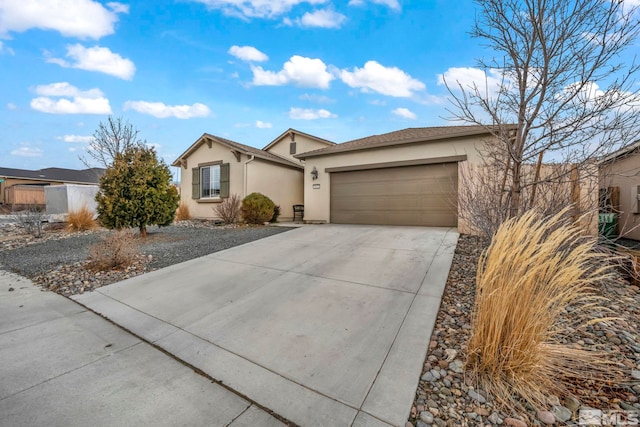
(404, 136)
(245, 149)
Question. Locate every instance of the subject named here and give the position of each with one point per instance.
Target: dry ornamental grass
(81, 220)
(533, 270)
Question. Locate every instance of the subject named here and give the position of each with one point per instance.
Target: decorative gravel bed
(58, 260)
(446, 397)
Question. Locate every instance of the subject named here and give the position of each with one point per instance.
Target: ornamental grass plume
(81, 220)
(532, 271)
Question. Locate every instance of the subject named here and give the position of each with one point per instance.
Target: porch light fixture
(314, 173)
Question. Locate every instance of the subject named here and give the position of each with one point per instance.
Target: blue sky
(243, 69)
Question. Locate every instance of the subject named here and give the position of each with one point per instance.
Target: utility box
(65, 198)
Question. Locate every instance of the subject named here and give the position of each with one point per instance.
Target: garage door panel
(413, 195)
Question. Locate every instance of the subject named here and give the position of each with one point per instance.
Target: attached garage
(406, 177)
(424, 195)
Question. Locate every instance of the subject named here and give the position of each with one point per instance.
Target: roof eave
(338, 150)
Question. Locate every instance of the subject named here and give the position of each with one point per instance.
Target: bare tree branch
(564, 88)
(110, 139)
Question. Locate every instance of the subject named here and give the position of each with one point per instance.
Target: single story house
(23, 187)
(214, 168)
(619, 175)
(406, 177)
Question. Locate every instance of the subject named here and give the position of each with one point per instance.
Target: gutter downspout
(246, 176)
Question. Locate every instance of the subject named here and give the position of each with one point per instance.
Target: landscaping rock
(546, 417)
(426, 417)
(571, 403)
(476, 396)
(561, 413)
(514, 422)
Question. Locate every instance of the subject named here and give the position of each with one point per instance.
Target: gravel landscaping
(58, 260)
(446, 397)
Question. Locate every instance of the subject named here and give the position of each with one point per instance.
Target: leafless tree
(556, 91)
(111, 138)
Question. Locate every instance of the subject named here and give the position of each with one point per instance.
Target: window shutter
(292, 148)
(195, 183)
(224, 180)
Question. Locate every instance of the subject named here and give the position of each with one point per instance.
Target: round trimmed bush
(257, 208)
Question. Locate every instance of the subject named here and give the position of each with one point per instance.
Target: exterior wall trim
(414, 162)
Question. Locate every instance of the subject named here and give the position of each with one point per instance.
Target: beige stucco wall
(625, 174)
(303, 144)
(317, 200)
(281, 184)
(202, 208)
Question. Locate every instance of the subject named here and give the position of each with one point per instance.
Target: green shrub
(257, 208)
(276, 213)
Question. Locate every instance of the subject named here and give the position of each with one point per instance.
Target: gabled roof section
(404, 136)
(234, 146)
(621, 153)
(72, 176)
(290, 131)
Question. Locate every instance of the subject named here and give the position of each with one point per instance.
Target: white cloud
(300, 71)
(84, 139)
(263, 125)
(162, 111)
(118, 7)
(405, 113)
(27, 151)
(71, 18)
(323, 18)
(378, 102)
(320, 99)
(393, 4)
(309, 114)
(76, 106)
(5, 49)
(248, 53)
(256, 8)
(90, 101)
(12, 106)
(97, 58)
(470, 78)
(390, 81)
(66, 89)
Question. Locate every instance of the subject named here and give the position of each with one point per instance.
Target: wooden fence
(25, 195)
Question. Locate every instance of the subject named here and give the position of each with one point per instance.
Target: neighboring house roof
(404, 136)
(294, 131)
(234, 146)
(84, 176)
(621, 153)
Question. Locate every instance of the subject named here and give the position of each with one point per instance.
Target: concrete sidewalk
(324, 325)
(61, 365)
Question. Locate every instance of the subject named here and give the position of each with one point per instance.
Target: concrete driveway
(62, 365)
(324, 325)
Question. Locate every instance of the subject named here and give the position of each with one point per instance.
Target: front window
(210, 181)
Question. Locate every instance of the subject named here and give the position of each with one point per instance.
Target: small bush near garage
(229, 210)
(81, 220)
(118, 250)
(257, 208)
